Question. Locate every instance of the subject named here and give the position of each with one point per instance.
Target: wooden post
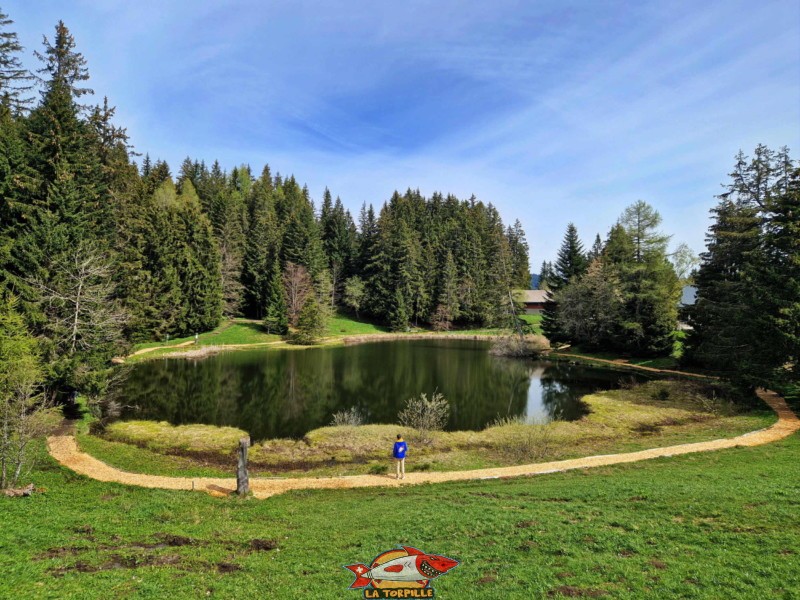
(242, 478)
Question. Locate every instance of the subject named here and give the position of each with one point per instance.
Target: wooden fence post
(242, 478)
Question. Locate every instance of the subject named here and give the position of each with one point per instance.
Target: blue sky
(555, 111)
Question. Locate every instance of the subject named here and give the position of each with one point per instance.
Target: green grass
(239, 332)
(138, 460)
(343, 325)
(658, 362)
(717, 525)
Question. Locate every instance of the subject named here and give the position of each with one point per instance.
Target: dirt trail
(624, 363)
(65, 450)
(146, 350)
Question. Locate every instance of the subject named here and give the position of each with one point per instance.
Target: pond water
(288, 393)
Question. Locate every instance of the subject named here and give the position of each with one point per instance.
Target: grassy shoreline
(619, 420)
(237, 334)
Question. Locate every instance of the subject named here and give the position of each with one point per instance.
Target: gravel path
(65, 450)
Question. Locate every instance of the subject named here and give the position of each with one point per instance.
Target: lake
(287, 393)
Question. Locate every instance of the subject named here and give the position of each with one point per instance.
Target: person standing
(399, 453)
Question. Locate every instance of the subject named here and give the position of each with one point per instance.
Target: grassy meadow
(718, 525)
(246, 332)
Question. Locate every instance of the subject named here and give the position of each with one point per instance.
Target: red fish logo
(405, 569)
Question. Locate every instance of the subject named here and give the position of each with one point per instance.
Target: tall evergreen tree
(67, 208)
(63, 67)
(15, 80)
(778, 276)
(275, 313)
(262, 247)
(520, 267)
(17, 180)
(570, 262)
(338, 241)
(650, 286)
(745, 318)
(596, 250)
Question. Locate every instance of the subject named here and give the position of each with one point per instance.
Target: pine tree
(200, 266)
(520, 267)
(311, 324)
(650, 286)
(15, 81)
(64, 69)
(67, 209)
(778, 277)
(597, 249)
(262, 249)
(275, 317)
(570, 263)
(745, 318)
(447, 308)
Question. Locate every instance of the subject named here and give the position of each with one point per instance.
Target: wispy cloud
(555, 111)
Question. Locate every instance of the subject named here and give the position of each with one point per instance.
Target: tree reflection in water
(287, 393)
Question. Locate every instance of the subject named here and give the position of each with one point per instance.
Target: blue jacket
(400, 449)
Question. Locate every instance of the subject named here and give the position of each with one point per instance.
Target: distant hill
(535, 281)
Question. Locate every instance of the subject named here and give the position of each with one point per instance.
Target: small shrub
(525, 442)
(516, 346)
(646, 428)
(628, 383)
(661, 394)
(505, 421)
(425, 416)
(378, 469)
(351, 417)
(426, 466)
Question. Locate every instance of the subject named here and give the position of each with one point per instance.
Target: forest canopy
(98, 251)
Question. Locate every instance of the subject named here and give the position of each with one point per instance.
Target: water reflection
(288, 393)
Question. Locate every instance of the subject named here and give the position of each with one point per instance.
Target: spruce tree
(596, 250)
(15, 80)
(338, 241)
(63, 67)
(520, 267)
(66, 210)
(200, 266)
(570, 263)
(16, 181)
(745, 317)
(275, 317)
(447, 308)
(311, 324)
(778, 276)
(261, 249)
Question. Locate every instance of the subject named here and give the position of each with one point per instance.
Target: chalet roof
(532, 296)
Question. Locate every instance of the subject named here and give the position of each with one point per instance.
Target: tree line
(746, 321)
(623, 294)
(97, 251)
